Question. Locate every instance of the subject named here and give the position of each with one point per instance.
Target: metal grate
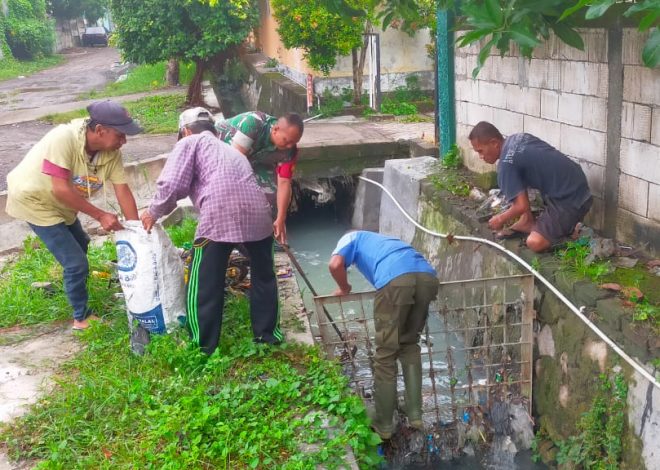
(476, 346)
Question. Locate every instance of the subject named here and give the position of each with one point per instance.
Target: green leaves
(651, 52)
(149, 32)
(497, 23)
(494, 11)
(568, 35)
(247, 406)
(321, 30)
(598, 9)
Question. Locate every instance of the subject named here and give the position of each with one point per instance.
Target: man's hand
(109, 222)
(279, 231)
(340, 291)
(147, 221)
(496, 222)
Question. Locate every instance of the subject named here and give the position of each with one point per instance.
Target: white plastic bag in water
(151, 276)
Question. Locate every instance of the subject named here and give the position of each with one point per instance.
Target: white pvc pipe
(578, 311)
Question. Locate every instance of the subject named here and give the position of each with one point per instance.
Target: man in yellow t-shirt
(56, 178)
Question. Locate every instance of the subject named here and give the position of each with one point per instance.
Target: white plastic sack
(151, 276)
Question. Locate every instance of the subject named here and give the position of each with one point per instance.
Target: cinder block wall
(561, 96)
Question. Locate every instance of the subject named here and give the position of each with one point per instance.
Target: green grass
(22, 305)
(156, 114)
(574, 258)
(147, 77)
(13, 68)
(247, 406)
(182, 233)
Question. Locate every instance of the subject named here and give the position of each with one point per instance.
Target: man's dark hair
(198, 127)
(91, 125)
(294, 119)
(485, 131)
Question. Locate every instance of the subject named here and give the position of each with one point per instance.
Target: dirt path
(84, 69)
(26, 367)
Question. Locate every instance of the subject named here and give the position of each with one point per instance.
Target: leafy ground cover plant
(22, 305)
(574, 258)
(598, 444)
(398, 108)
(246, 406)
(156, 114)
(446, 176)
(146, 77)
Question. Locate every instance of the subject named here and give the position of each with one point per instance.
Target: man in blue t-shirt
(527, 162)
(406, 284)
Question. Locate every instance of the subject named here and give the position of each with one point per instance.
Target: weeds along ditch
(246, 406)
(22, 305)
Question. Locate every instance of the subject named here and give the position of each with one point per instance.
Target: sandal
(508, 234)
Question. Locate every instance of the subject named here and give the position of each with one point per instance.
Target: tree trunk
(195, 97)
(172, 73)
(358, 67)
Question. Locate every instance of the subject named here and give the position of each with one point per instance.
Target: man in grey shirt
(526, 161)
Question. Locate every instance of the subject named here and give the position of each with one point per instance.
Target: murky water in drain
(312, 237)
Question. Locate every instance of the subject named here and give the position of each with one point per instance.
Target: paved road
(56, 90)
(84, 69)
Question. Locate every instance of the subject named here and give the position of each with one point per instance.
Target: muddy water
(312, 237)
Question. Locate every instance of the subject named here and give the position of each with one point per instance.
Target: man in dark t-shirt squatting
(528, 162)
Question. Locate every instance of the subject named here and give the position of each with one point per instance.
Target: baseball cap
(193, 115)
(111, 114)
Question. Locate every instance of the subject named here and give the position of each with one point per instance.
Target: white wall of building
(561, 96)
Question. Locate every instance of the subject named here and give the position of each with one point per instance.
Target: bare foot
(525, 223)
(576, 231)
(84, 324)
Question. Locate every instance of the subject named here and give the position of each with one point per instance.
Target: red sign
(310, 91)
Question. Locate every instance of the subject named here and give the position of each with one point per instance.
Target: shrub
(398, 108)
(30, 39)
(29, 33)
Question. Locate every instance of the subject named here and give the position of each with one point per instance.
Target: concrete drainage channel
(478, 344)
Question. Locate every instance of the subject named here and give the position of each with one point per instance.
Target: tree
(326, 29)
(206, 33)
(498, 23)
(92, 10)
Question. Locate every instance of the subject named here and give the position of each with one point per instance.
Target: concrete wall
(400, 56)
(600, 106)
(68, 33)
(269, 91)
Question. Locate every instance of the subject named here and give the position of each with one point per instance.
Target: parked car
(95, 35)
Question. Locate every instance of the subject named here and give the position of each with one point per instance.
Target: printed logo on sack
(126, 257)
(152, 320)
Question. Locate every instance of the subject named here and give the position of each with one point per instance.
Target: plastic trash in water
(432, 448)
(466, 416)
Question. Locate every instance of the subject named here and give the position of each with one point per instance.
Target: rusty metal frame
(498, 363)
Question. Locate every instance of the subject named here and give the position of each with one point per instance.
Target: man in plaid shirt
(232, 209)
(269, 144)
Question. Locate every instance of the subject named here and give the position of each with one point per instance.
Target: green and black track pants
(206, 292)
